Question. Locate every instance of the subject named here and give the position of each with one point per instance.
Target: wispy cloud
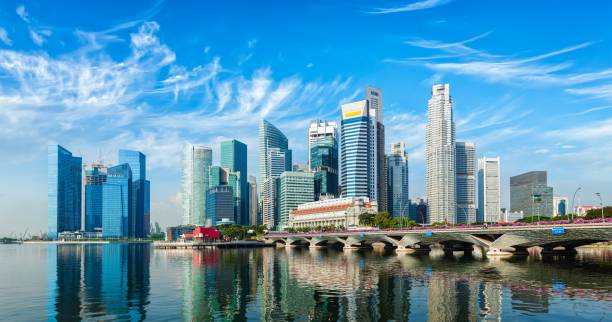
(22, 13)
(414, 6)
(598, 92)
(252, 42)
(4, 37)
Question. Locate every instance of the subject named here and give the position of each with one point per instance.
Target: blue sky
(531, 82)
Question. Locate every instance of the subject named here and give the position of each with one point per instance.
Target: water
(136, 282)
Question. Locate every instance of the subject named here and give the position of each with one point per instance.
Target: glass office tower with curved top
(197, 160)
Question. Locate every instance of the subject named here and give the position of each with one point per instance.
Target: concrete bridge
(496, 240)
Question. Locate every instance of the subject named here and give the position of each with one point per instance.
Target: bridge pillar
(404, 250)
(421, 248)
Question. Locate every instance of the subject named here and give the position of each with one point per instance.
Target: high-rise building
(324, 163)
(274, 159)
(465, 164)
(440, 157)
(234, 157)
(253, 202)
(64, 184)
(530, 193)
(301, 167)
(117, 199)
(94, 179)
(295, 189)
(560, 205)
(140, 222)
(197, 160)
(320, 129)
(375, 104)
(397, 169)
(220, 205)
(489, 190)
(356, 158)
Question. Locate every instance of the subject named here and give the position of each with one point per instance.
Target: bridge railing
(505, 226)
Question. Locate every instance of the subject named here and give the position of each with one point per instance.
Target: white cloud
(4, 37)
(22, 13)
(252, 42)
(419, 5)
(598, 92)
(37, 38)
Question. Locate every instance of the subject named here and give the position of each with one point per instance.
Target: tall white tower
(440, 156)
(489, 190)
(197, 160)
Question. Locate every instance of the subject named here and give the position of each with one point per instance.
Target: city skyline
(550, 103)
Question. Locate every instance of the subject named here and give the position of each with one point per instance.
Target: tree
(596, 213)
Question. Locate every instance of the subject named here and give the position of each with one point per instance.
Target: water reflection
(98, 281)
(115, 282)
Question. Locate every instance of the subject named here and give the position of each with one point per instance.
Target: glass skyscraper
(64, 184)
(94, 179)
(139, 222)
(274, 159)
(324, 164)
(295, 189)
(220, 204)
(356, 151)
(117, 202)
(234, 157)
(197, 161)
(397, 169)
(489, 190)
(465, 164)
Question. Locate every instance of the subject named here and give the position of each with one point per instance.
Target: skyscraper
(234, 157)
(397, 169)
(253, 202)
(64, 184)
(117, 200)
(356, 170)
(489, 190)
(220, 205)
(295, 189)
(320, 129)
(560, 205)
(465, 163)
(94, 179)
(197, 161)
(375, 104)
(323, 157)
(530, 194)
(440, 157)
(140, 222)
(274, 159)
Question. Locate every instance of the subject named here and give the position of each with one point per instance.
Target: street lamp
(600, 204)
(573, 198)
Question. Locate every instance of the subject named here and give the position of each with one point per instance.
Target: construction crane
(24, 234)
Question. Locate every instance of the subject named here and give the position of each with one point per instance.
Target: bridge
(554, 238)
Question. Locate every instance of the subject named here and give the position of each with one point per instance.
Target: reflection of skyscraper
(64, 184)
(68, 269)
(197, 161)
(490, 301)
(442, 301)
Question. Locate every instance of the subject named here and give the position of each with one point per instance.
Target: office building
(64, 184)
(117, 202)
(234, 158)
(489, 190)
(274, 159)
(440, 157)
(560, 206)
(300, 167)
(356, 158)
(140, 222)
(197, 160)
(397, 169)
(323, 157)
(339, 212)
(319, 129)
(220, 205)
(253, 202)
(418, 210)
(530, 194)
(94, 179)
(465, 164)
(295, 188)
(377, 134)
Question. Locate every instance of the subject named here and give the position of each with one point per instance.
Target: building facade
(397, 178)
(295, 188)
(375, 104)
(197, 160)
(220, 205)
(465, 164)
(64, 196)
(254, 218)
(140, 222)
(560, 206)
(489, 190)
(339, 212)
(275, 157)
(94, 179)
(356, 158)
(323, 155)
(234, 158)
(317, 130)
(440, 157)
(530, 194)
(117, 199)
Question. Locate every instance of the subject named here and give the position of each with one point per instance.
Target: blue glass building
(117, 202)
(220, 204)
(234, 157)
(139, 222)
(324, 162)
(357, 151)
(94, 179)
(64, 184)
